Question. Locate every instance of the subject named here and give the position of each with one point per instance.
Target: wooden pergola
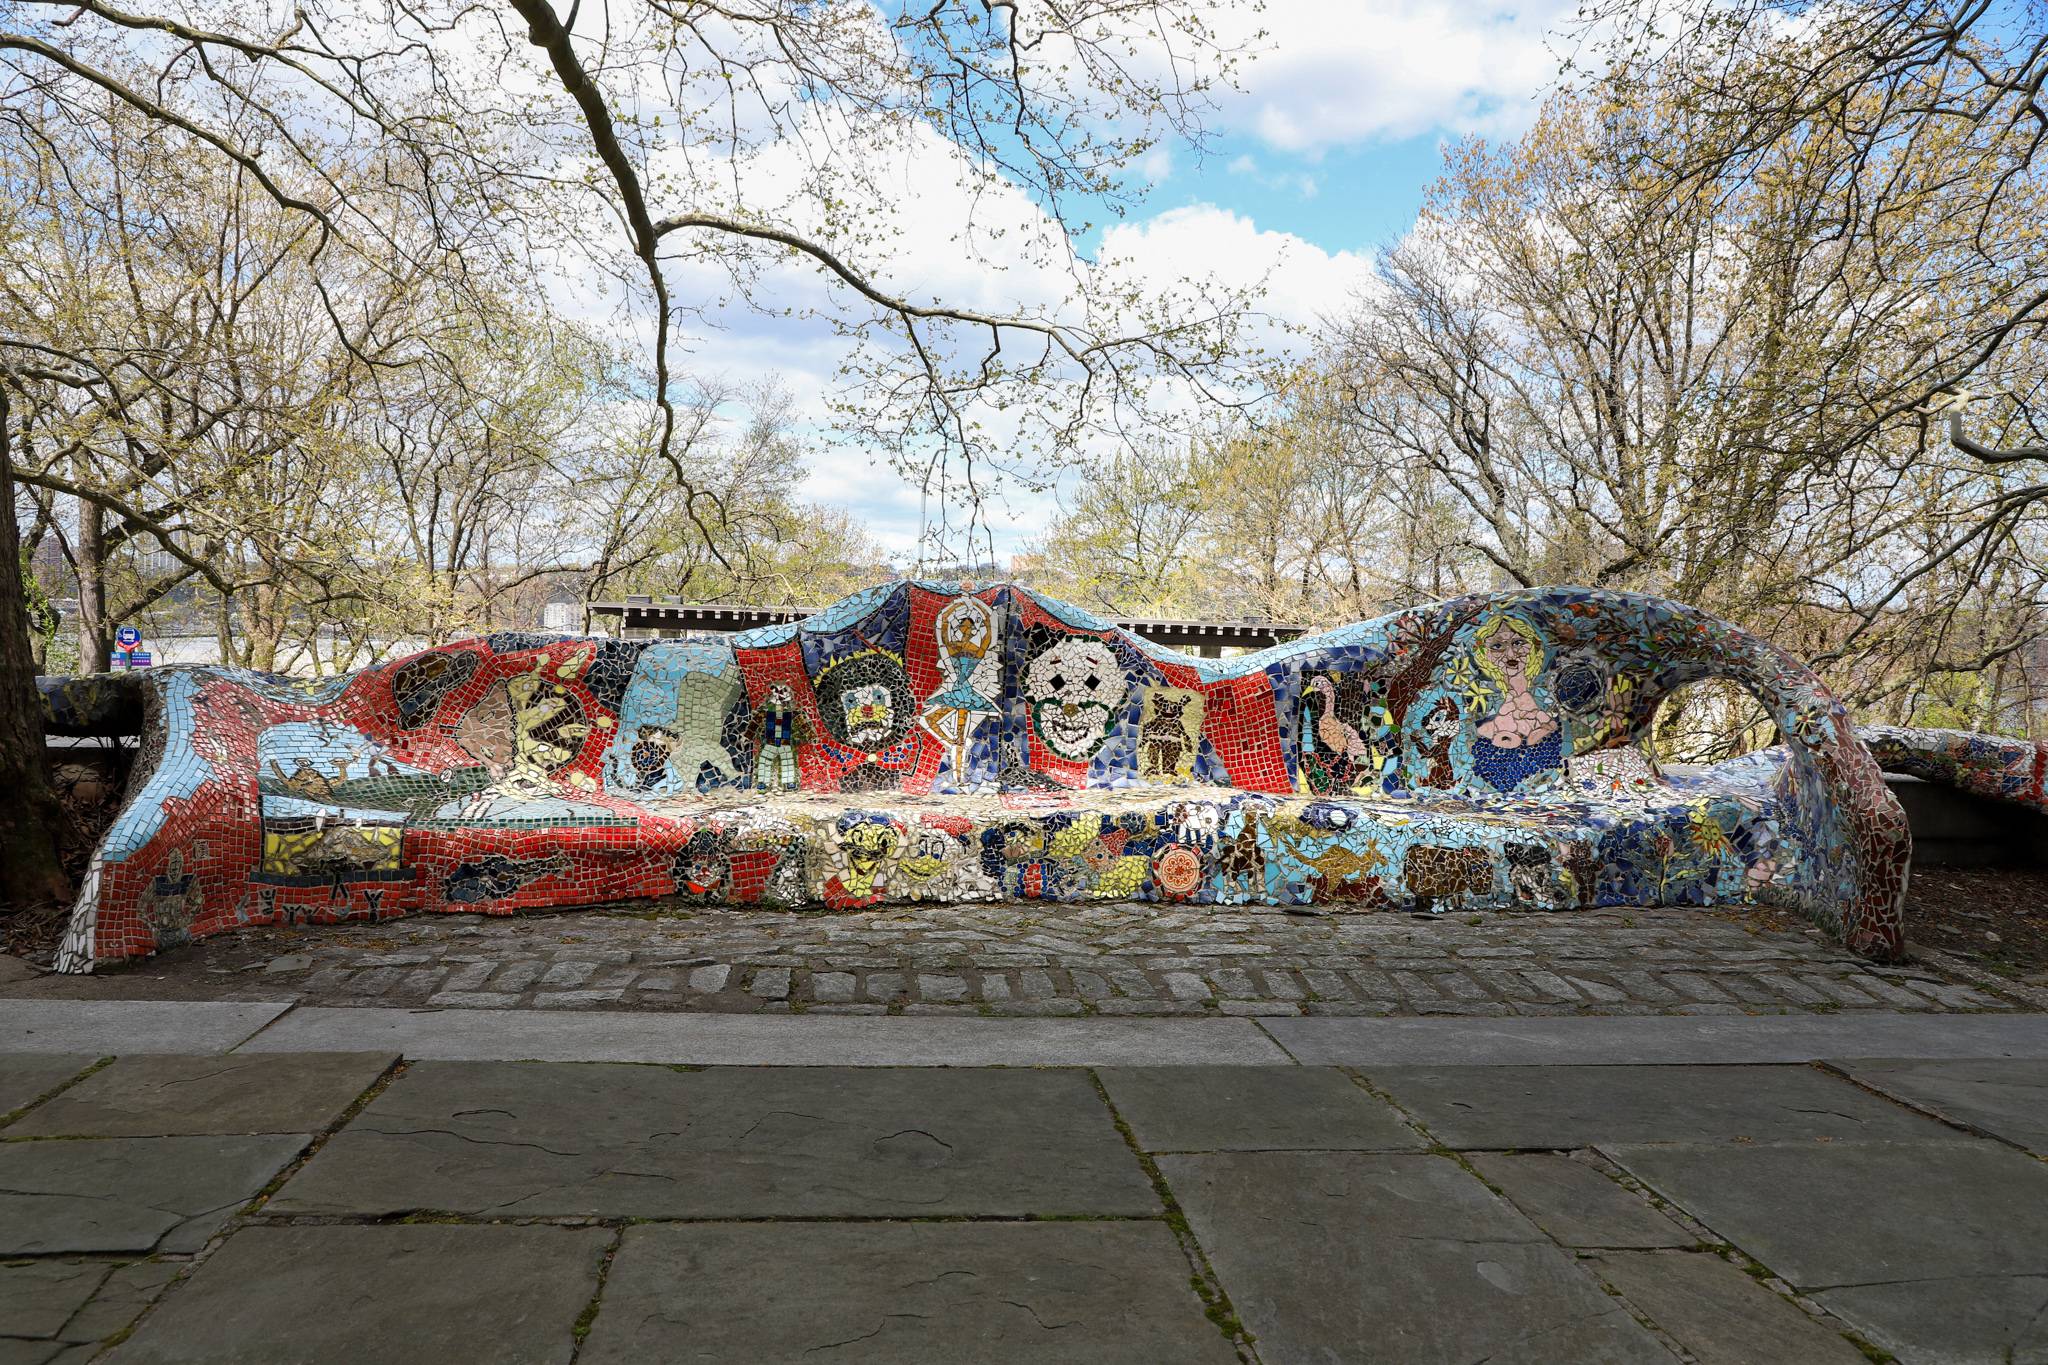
(641, 617)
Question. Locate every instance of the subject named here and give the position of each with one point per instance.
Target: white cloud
(1302, 183)
(1155, 167)
(1335, 75)
(1204, 242)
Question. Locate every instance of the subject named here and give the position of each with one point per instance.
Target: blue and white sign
(138, 658)
(128, 637)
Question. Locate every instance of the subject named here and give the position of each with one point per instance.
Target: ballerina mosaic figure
(966, 632)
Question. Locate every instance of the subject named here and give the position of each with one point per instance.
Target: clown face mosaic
(866, 702)
(922, 742)
(1075, 689)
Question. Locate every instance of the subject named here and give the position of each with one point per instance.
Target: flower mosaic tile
(934, 742)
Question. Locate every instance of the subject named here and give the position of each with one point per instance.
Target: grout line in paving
(364, 1098)
(1706, 1239)
(1832, 1067)
(290, 1005)
(1712, 1245)
(13, 1114)
(1206, 1283)
(1709, 1242)
(1358, 1078)
(1286, 1051)
(1578, 1256)
(456, 1218)
(580, 1332)
(249, 1214)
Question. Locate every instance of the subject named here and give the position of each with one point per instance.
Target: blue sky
(1352, 199)
(1320, 159)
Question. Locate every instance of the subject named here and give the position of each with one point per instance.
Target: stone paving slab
(1721, 1314)
(1577, 1204)
(42, 1353)
(109, 1027)
(38, 1297)
(724, 1040)
(395, 1295)
(1343, 1256)
(1971, 1320)
(27, 1076)
(550, 1139)
(130, 1194)
(1062, 1293)
(120, 1300)
(1938, 1251)
(1052, 959)
(51, 1307)
(2006, 1098)
(151, 1096)
(1562, 1107)
(1657, 1041)
(1234, 1108)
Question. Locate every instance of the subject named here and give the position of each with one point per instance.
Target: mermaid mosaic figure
(1521, 738)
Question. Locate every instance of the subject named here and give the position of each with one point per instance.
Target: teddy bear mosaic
(922, 741)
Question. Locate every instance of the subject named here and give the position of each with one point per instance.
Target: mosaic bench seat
(920, 742)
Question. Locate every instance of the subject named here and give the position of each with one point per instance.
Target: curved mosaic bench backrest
(922, 688)
(1997, 767)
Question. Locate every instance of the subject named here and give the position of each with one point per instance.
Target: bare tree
(718, 144)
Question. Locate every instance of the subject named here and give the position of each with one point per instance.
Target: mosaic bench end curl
(932, 742)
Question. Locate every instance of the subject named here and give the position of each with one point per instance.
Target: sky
(1317, 162)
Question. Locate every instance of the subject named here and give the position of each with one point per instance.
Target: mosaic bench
(1997, 767)
(927, 742)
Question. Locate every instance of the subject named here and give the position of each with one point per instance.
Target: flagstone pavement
(274, 1207)
(652, 1135)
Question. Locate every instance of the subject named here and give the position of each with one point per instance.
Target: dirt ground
(1996, 917)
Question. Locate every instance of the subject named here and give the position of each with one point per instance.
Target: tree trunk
(95, 632)
(30, 872)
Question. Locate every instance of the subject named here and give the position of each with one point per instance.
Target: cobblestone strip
(1115, 959)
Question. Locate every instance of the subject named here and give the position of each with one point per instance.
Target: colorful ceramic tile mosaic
(921, 741)
(1994, 766)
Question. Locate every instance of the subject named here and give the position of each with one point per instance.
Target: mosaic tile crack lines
(931, 742)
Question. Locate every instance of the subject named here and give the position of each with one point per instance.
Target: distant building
(1026, 568)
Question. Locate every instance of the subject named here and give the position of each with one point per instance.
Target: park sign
(126, 653)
